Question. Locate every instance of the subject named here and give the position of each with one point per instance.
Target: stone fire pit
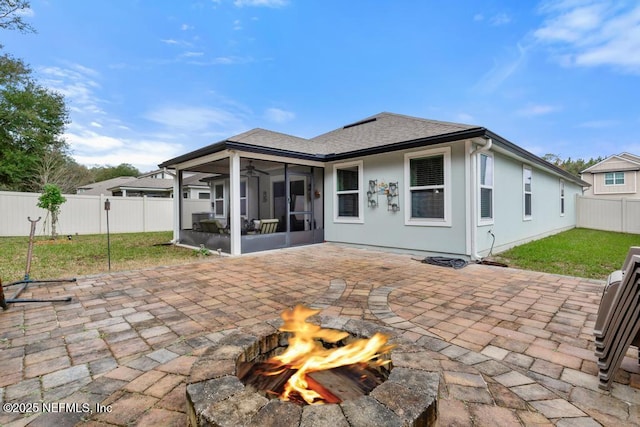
(216, 397)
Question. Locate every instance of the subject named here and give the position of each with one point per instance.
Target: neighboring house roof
(196, 180)
(170, 174)
(380, 133)
(145, 184)
(616, 163)
(102, 187)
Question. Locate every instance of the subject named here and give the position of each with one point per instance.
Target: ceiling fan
(251, 170)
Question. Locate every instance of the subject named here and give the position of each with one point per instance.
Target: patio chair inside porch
(268, 226)
(211, 226)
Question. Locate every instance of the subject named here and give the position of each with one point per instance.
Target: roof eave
(521, 152)
(273, 151)
(414, 143)
(209, 149)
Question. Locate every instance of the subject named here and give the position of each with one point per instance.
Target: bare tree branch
(12, 13)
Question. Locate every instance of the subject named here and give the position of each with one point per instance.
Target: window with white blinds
(218, 198)
(527, 178)
(427, 174)
(485, 181)
(348, 192)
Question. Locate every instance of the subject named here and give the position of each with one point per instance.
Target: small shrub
(202, 251)
(51, 199)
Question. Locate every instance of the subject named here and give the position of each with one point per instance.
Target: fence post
(100, 205)
(623, 209)
(144, 214)
(578, 210)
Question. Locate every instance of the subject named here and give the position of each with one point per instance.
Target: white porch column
(177, 206)
(234, 202)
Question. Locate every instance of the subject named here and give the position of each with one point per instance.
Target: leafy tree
(572, 166)
(51, 199)
(32, 120)
(32, 117)
(102, 173)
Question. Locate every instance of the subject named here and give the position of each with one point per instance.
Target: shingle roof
(102, 187)
(384, 129)
(147, 183)
(376, 134)
(280, 141)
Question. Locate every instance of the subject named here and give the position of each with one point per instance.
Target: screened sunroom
(258, 201)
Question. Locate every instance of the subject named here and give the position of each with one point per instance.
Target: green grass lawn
(578, 252)
(87, 254)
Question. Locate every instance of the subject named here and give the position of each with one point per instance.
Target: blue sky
(147, 80)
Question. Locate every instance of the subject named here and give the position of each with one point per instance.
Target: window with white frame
(427, 174)
(561, 197)
(527, 193)
(218, 199)
(243, 197)
(204, 196)
(486, 187)
(614, 178)
(348, 190)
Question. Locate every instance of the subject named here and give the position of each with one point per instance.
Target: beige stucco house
(614, 177)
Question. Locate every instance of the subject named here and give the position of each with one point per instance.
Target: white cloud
(169, 41)
(237, 25)
(82, 139)
(28, 12)
(186, 27)
(95, 124)
(77, 84)
(224, 60)
(102, 147)
(502, 70)
(593, 33)
(478, 17)
(599, 124)
(265, 3)
(537, 110)
(279, 116)
(500, 19)
(465, 118)
(192, 54)
(195, 119)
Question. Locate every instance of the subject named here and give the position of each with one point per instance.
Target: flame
(306, 354)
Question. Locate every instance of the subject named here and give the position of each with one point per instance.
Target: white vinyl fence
(86, 215)
(621, 215)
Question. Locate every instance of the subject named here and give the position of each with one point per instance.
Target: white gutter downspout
(474, 191)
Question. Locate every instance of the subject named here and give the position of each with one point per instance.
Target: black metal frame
(28, 280)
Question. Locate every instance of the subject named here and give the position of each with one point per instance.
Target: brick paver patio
(513, 347)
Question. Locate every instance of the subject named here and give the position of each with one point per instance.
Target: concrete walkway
(513, 347)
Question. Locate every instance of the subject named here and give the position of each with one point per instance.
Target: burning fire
(306, 353)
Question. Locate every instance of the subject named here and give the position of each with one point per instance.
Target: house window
(204, 196)
(614, 178)
(561, 197)
(526, 186)
(348, 200)
(486, 187)
(218, 199)
(243, 198)
(427, 174)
